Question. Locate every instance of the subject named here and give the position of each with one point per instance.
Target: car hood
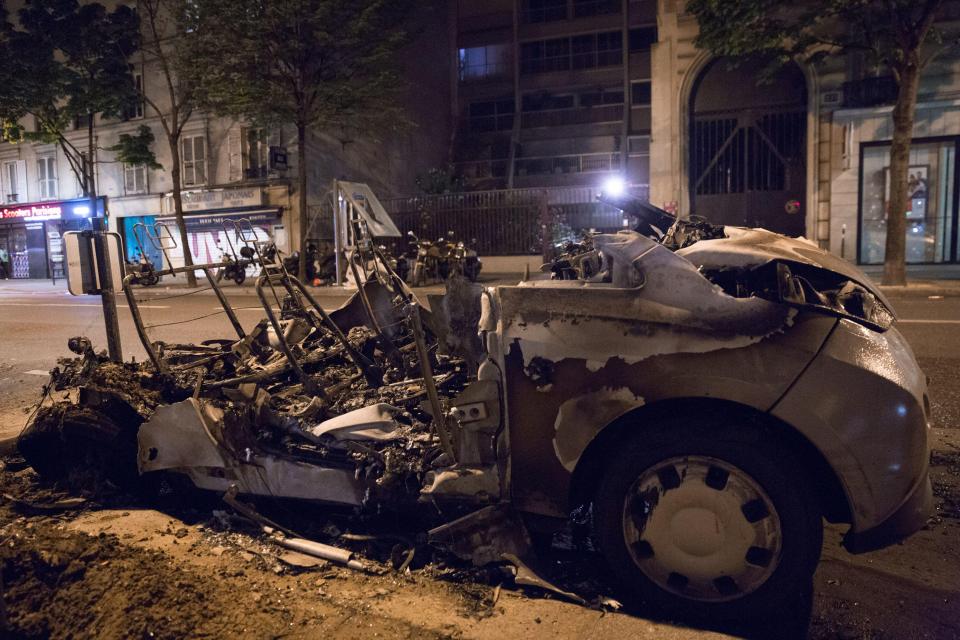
(744, 248)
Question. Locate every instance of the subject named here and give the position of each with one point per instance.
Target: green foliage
(440, 180)
(890, 33)
(136, 149)
(64, 60)
(325, 64)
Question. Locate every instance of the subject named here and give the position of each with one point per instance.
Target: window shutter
(235, 154)
(200, 154)
(21, 186)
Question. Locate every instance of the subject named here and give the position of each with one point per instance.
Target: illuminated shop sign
(35, 212)
(64, 209)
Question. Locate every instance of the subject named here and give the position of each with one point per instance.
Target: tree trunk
(302, 196)
(90, 168)
(174, 142)
(894, 262)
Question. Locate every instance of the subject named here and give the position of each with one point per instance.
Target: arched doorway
(748, 147)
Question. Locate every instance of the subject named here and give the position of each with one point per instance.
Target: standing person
(4, 270)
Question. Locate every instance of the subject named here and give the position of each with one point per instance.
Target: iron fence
(507, 221)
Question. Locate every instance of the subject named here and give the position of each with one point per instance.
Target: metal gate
(748, 168)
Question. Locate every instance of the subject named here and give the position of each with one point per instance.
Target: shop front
(32, 233)
(933, 208)
(212, 218)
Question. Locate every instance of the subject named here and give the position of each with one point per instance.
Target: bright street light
(614, 186)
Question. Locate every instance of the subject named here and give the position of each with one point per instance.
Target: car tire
(709, 521)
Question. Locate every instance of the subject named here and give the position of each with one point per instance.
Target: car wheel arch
(833, 498)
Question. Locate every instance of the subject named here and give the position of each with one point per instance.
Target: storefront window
(931, 216)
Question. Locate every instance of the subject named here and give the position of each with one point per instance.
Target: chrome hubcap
(701, 528)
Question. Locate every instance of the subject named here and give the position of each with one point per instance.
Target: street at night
(479, 319)
(906, 591)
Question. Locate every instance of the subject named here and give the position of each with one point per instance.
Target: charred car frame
(703, 401)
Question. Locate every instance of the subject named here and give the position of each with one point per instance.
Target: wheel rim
(702, 528)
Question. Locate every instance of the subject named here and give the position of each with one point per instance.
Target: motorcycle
(427, 262)
(463, 260)
(143, 271)
(236, 268)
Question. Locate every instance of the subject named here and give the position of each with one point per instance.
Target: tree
(163, 44)
(328, 65)
(900, 35)
(63, 65)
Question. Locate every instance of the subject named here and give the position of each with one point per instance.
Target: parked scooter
(574, 261)
(143, 271)
(236, 268)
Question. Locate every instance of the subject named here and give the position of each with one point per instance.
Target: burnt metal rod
(227, 307)
(389, 348)
(439, 419)
(138, 324)
(309, 384)
(371, 372)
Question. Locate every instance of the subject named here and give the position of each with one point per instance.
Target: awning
(198, 220)
(365, 203)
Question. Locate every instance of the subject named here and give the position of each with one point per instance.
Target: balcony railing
(561, 117)
(485, 71)
(578, 163)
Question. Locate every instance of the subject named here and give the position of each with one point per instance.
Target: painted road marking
(37, 372)
(74, 305)
(918, 321)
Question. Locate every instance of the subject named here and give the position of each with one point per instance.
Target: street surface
(911, 590)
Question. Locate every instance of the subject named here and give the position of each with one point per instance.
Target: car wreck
(703, 397)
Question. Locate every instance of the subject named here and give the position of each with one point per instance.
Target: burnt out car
(703, 402)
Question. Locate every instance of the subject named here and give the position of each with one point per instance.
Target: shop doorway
(747, 162)
(14, 240)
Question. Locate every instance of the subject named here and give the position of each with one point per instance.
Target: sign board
(82, 272)
(77, 209)
(219, 199)
(367, 207)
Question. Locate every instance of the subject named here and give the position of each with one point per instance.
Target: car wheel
(708, 523)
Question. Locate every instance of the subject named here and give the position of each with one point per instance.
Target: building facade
(569, 92)
(553, 92)
(229, 170)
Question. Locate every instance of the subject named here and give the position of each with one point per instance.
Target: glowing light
(614, 186)
(81, 210)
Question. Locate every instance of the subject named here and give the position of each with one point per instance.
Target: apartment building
(553, 93)
(230, 170)
(806, 153)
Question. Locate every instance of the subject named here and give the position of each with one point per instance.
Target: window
(545, 55)
(47, 175)
(601, 97)
(931, 214)
(587, 8)
(81, 122)
(580, 52)
(11, 183)
(489, 61)
(134, 179)
(638, 145)
(544, 11)
(256, 153)
(193, 159)
(640, 93)
(134, 111)
(641, 39)
(492, 115)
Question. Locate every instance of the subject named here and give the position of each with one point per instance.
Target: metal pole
(337, 245)
(107, 297)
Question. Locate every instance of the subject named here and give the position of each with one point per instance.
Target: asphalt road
(37, 321)
(904, 591)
